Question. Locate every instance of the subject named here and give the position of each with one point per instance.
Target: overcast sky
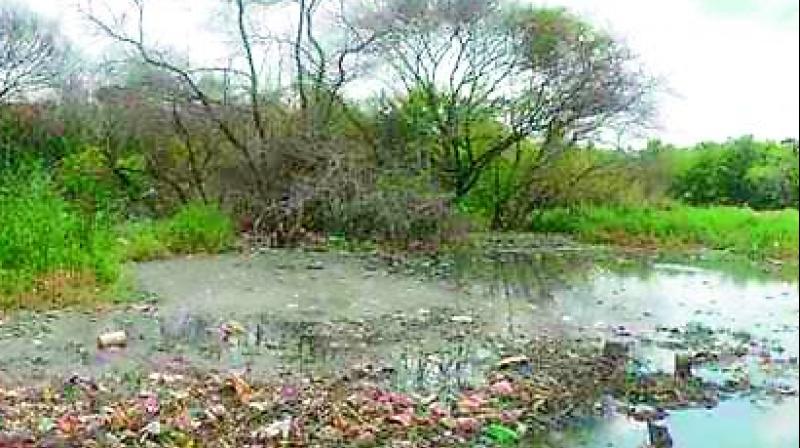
(732, 65)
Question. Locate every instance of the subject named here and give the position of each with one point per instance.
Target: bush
(762, 175)
(193, 228)
(142, 241)
(198, 228)
(45, 237)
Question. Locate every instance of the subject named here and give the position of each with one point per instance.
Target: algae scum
(438, 325)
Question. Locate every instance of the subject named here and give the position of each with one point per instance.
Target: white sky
(732, 65)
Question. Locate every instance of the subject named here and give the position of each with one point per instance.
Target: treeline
(743, 172)
(288, 151)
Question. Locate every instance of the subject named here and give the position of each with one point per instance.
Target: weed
(192, 229)
(46, 242)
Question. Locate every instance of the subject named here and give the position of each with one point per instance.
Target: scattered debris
(112, 339)
(512, 361)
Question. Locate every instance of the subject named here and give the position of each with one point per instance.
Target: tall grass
(193, 228)
(47, 246)
(52, 253)
(758, 234)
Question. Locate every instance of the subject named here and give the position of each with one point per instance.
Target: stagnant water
(435, 322)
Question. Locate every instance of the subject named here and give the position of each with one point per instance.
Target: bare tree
(32, 55)
(188, 78)
(287, 154)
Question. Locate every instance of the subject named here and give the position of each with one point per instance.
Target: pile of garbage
(524, 393)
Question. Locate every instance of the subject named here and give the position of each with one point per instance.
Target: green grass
(756, 234)
(52, 254)
(49, 250)
(195, 228)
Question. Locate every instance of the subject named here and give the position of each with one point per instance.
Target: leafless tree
(188, 79)
(32, 54)
(288, 156)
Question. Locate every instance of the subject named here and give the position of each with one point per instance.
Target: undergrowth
(53, 254)
(195, 228)
(50, 251)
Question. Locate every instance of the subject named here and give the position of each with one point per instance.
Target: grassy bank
(757, 234)
(49, 251)
(52, 254)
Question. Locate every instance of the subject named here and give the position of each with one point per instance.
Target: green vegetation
(739, 172)
(743, 171)
(759, 234)
(51, 253)
(47, 245)
(194, 228)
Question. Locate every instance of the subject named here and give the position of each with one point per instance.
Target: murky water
(435, 324)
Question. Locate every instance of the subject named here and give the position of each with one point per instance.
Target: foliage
(198, 228)
(759, 234)
(545, 74)
(54, 252)
(519, 183)
(741, 172)
(28, 134)
(143, 240)
(44, 236)
(399, 209)
(500, 136)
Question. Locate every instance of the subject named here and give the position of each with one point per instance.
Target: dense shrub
(401, 209)
(746, 172)
(198, 227)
